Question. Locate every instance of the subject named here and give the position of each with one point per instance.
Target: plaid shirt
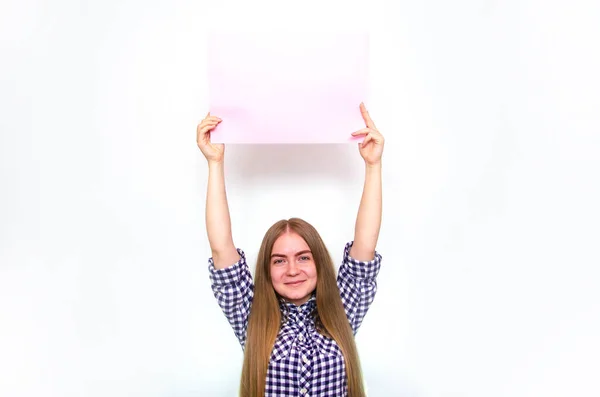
(303, 362)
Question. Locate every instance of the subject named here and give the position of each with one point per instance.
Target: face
(293, 269)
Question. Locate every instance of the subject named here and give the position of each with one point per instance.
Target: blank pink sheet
(287, 87)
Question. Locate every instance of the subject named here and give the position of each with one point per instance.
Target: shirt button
(303, 391)
(305, 359)
(301, 338)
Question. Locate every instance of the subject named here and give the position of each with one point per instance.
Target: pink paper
(287, 87)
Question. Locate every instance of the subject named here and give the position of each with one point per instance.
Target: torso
(304, 360)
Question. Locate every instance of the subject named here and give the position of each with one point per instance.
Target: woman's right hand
(213, 152)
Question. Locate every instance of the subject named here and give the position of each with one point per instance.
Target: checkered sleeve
(233, 288)
(357, 281)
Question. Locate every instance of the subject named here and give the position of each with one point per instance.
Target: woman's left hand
(371, 148)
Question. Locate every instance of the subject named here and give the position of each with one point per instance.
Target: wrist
(375, 166)
(215, 165)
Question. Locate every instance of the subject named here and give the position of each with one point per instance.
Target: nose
(292, 269)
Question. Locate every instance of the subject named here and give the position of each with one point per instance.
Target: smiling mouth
(293, 284)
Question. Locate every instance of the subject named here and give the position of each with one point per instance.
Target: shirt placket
(305, 364)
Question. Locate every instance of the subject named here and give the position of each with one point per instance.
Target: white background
(490, 232)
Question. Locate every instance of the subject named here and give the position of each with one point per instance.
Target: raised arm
(218, 222)
(368, 220)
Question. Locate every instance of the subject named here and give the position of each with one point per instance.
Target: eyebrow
(297, 253)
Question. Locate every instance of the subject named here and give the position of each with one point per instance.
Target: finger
(366, 117)
(214, 118)
(209, 127)
(364, 131)
(377, 136)
(205, 129)
(375, 132)
(204, 123)
(211, 121)
(367, 139)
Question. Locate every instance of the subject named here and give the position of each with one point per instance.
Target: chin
(297, 296)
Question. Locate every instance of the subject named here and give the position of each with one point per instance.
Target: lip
(295, 283)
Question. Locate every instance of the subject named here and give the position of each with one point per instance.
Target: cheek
(312, 271)
(276, 274)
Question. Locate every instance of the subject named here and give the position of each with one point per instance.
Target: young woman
(296, 322)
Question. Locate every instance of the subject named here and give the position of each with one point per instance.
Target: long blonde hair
(265, 316)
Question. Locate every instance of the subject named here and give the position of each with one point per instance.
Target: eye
(278, 261)
(305, 258)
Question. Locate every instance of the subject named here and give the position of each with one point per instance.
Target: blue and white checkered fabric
(303, 362)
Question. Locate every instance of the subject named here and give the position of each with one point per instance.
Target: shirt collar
(298, 313)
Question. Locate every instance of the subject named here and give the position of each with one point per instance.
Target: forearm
(368, 220)
(218, 222)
